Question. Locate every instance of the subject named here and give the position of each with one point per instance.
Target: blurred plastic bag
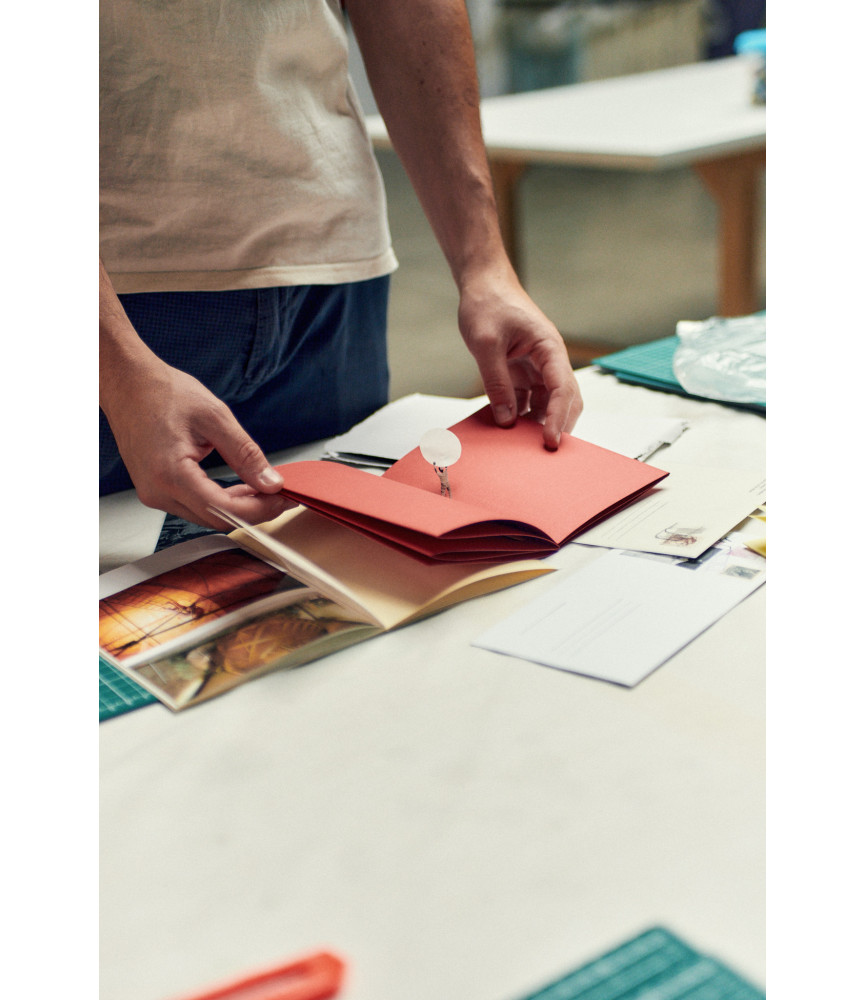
(723, 358)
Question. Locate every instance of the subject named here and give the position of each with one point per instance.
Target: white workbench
(457, 824)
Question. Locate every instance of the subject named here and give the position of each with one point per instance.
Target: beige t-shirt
(233, 152)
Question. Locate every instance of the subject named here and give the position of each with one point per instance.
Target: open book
(510, 498)
(201, 617)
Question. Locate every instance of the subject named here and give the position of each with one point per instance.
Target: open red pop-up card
(511, 498)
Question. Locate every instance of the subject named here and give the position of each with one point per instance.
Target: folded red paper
(511, 497)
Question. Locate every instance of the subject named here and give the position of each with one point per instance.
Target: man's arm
(165, 422)
(420, 62)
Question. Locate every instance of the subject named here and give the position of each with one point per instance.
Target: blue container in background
(754, 45)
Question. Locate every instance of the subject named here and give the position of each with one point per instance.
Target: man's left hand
(521, 356)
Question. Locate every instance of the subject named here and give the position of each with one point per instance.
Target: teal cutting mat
(117, 693)
(652, 365)
(653, 362)
(656, 965)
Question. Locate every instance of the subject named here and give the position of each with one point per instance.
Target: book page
(162, 561)
(293, 561)
(201, 626)
(394, 586)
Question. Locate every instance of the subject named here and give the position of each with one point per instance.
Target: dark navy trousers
(294, 364)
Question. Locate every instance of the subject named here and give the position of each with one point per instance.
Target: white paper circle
(440, 447)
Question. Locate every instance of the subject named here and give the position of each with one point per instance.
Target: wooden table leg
(733, 183)
(506, 174)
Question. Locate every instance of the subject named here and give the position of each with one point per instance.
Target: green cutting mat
(655, 965)
(117, 693)
(653, 361)
(652, 365)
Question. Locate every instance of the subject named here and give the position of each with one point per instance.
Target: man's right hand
(165, 422)
(165, 425)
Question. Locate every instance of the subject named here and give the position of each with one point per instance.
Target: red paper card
(511, 497)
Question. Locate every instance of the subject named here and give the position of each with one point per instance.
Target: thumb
(244, 456)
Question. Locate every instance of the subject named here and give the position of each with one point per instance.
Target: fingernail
(554, 445)
(270, 477)
(502, 414)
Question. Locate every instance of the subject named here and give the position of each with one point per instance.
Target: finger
(171, 505)
(185, 490)
(242, 454)
(257, 507)
(178, 490)
(564, 402)
(576, 409)
(539, 403)
(199, 494)
(496, 376)
(208, 521)
(254, 508)
(263, 502)
(563, 409)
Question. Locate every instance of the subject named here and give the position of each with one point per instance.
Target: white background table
(697, 115)
(455, 823)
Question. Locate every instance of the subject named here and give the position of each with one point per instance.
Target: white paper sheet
(634, 437)
(395, 429)
(622, 616)
(684, 514)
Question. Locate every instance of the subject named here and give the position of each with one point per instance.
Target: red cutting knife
(316, 977)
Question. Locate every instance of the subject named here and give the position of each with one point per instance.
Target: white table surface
(457, 825)
(658, 119)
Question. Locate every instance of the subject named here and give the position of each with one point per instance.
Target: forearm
(122, 353)
(421, 65)
(420, 62)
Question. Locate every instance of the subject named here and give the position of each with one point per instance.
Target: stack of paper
(626, 613)
(685, 513)
(673, 548)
